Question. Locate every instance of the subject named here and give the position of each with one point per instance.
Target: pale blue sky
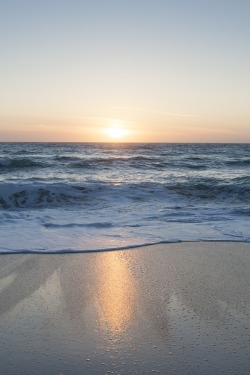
(170, 70)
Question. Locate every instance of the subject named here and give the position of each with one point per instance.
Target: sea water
(70, 197)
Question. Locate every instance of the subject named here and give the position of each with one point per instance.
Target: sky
(125, 70)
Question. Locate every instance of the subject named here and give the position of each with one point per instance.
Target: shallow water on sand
(180, 308)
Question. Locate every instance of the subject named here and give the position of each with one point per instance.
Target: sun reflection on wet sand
(116, 293)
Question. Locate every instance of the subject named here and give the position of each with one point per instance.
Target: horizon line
(119, 143)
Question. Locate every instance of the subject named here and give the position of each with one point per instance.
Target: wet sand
(172, 308)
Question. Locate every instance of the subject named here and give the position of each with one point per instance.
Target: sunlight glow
(116, 129)
(115, 133)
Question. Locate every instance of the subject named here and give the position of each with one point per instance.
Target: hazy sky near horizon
(157, 70)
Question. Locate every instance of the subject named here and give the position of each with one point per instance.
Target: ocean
(77, 197)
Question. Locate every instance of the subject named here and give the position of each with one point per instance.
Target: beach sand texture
(173, 308)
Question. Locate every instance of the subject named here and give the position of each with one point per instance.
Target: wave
(64, 158)
(142, 162)
(215, 190)
(82, 162)
(18, 163)
(121, 159)
(239, 163)
(38, 195)
(101, 225)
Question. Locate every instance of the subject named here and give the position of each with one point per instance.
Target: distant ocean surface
(59, 197)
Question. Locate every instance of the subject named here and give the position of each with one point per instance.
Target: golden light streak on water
(116, 293)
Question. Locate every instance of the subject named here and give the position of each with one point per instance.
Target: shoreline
(122, 248)
(167, 308)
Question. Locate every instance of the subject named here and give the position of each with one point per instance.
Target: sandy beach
(173, 308)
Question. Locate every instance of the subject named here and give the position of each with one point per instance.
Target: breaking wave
(56, 195)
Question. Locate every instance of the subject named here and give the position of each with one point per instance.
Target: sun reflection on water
(116, 293)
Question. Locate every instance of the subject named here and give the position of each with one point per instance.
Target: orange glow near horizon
(123, 129)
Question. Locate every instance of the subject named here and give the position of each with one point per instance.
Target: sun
(116, 133)
(116, 130)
